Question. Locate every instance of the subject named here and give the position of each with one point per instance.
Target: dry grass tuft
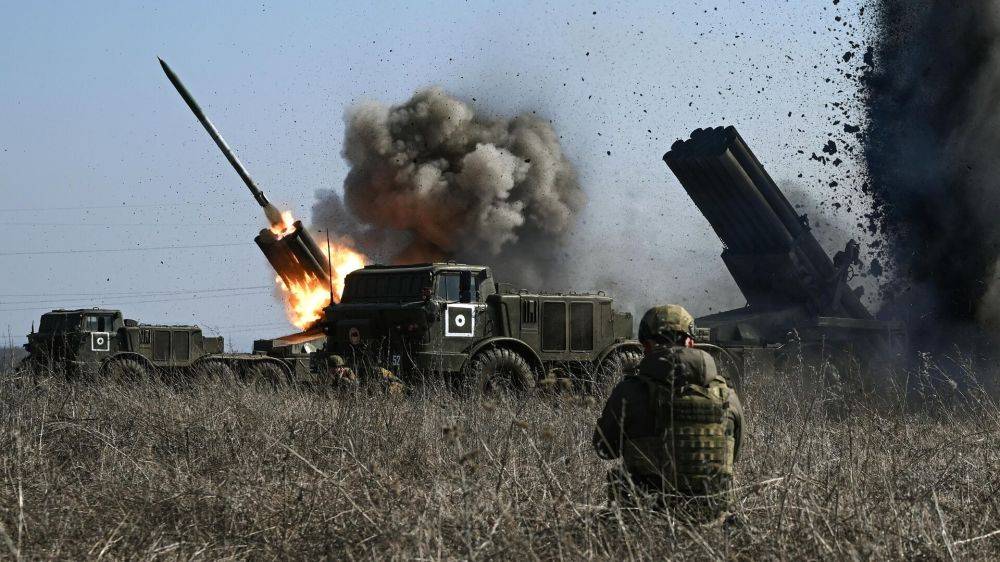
(213, 471)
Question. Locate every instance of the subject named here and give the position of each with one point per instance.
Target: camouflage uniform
(390, 382)
(340, 374)
(675, 422)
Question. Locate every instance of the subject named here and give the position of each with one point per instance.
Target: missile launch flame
(284, 225)
(306, 297)
(306, 272)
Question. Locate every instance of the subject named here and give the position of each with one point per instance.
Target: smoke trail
(933, 153)
(429, 180)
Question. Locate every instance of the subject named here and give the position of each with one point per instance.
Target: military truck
(456, 320)
(798, 298)
(96, 341)
(299, 354)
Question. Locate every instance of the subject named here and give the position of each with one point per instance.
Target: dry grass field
(212, 470)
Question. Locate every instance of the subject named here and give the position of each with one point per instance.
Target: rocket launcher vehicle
(272, 213)
(790, 283)
(295, 256)
(293, 253)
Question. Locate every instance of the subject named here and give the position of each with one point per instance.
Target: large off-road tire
(830, 363)
(125, 371)
(498, 369)
(33, 367)
(616, 365)
(215, 371)
(266, 374)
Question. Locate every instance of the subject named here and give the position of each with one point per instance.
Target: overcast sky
(98, 154)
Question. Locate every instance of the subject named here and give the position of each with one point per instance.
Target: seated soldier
(340, 374)
(343, 376)
(674, 421)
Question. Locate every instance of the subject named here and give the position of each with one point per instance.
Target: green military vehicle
(298, 352)
(95, 341)
(454, 319)
(799, 302)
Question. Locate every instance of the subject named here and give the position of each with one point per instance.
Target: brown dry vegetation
(213, 470)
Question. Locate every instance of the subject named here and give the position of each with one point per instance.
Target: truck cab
(86, 341)
(445, 317)
(419, 316)
(73, 339)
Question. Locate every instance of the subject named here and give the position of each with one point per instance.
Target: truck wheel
(498, 369)
(615, 365)
(33, 367)
(216, 371)
(266, 373)
(830, 362)
(125, 370)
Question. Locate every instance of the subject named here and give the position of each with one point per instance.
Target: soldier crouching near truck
(343, 376)
(675, 423)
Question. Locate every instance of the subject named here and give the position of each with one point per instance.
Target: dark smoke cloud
(933, 153)
(431, 180)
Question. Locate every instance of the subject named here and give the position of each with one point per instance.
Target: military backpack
(691, 445)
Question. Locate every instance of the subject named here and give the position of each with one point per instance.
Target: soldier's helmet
(336, 361)
(667, 320)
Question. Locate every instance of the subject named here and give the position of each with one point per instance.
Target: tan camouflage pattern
(666, 319)
(676, 424)
(693, 446)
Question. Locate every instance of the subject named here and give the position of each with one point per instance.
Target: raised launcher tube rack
(789, 281)
(295, 256)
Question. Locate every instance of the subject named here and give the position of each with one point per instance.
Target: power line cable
(237, 202)
(128, 224)
(111, 294)
(160, 298)
(236, 328)
(114, 250)
(287, 325)
(117, 298)
(243, 326)
(88, 207)
(121, 302)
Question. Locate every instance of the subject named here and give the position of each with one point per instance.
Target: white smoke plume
(430, 180)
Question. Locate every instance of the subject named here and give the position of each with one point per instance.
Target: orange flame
(286, 226)
(305, 301)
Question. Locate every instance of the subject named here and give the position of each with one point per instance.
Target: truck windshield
(385, 286)
(93, 323)
(448, 286)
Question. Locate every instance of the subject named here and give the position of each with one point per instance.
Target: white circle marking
(460, 320)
